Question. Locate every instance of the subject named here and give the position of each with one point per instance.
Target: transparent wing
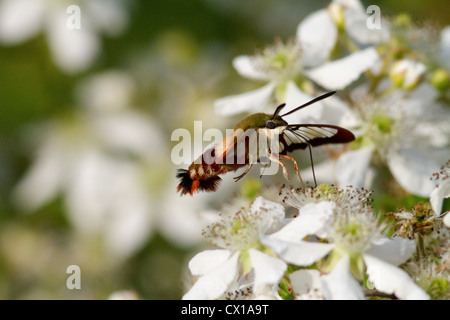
(235, 148)
(299, 136)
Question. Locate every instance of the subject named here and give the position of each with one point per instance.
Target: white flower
(354, 243)
(73, 50)
(97, 160)
(407, 132)
(348, 15)
(240, 237)
(281, 65)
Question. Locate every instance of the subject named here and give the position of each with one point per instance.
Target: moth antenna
(312, 163)
(278, 109)
(326, 95)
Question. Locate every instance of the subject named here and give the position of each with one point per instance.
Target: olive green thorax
(259, 120)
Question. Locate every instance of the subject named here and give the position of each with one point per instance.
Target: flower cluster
(345, 243)
(392, 101)
(336, 247)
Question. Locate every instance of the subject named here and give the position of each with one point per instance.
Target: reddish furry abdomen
(203, 176)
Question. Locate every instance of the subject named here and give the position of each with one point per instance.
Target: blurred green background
(178, 56)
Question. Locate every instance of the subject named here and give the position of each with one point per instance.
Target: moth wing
(299, 136)
(234, 148)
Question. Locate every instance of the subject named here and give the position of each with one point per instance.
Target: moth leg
(262, 173)
(245, 172)
(295, 167)
(276, 159)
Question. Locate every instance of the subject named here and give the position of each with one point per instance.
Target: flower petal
(268, 270)
(266, 292)
(132, 132)
(72, 50)
(438, 194)
(252, 101)
(294, 98)
(317, 35)
(329, 111)
(364, 28)
(300, 253)
(108, 91)
(392, 280)
(312, 219)
(20, 20)
(208, 260)
(338, 74)
(417, 102)
(413, 167)
(446, 219)
(324, 172)
(305, 281)
(45, 178)
(352, 167)
(245, 67)
(213, 284)
(109, 16)
(395, 251)
(272, 212)
(339, 284)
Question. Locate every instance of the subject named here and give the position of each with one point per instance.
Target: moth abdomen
(189, 184)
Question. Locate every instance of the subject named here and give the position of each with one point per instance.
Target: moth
(270, 131)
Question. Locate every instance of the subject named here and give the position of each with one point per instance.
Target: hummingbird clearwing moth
(281, 138)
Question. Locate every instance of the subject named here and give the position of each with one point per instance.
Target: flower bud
(406, 73)
(336, 12)
(403, 21)
(441, 80)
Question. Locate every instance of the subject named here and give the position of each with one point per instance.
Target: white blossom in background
(307, 58)
(354, 241)
(73, 50)
(280, 65)
(347, 15)
(97, 160)
(240, 237)
(407, 131)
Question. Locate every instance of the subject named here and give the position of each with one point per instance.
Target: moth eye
(270, 124)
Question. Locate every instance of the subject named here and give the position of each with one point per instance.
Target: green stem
(420, 244)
